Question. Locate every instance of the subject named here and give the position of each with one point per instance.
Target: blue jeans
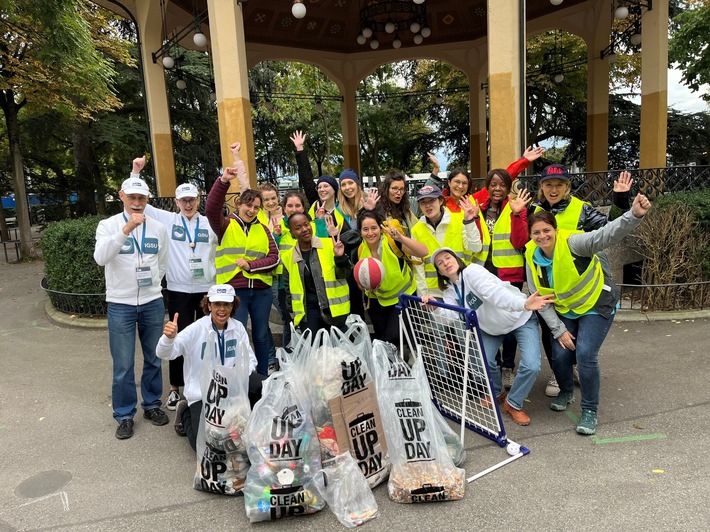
(589, 332)
(122, 321)
(256, 303)
(528, 339)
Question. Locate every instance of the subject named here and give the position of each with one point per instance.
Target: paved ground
(62, 468)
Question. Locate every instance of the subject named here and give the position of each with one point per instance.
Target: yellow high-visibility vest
(397, 280)
(453, 238)
(503, 254)
(236, 244)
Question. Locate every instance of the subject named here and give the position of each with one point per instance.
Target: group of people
(450, 243)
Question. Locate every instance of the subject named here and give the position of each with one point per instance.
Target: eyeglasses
(397, 190)
(187, 200)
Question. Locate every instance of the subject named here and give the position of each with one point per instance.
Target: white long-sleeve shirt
(183, 258)
(121, 256)
(499, 306)
(191, 343)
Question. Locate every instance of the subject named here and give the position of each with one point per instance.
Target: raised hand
(640, 206)
(276, 226)
(171, 328)
(373, 196)
(298, 138)
(434, 162)
(138, 164)
(338, 247)
(234, 148)
(520, 202)
(536, 301)
(470, 208)
(392, 232)
(623, 184)
(320, 209)
(228, 174)
(532, 154)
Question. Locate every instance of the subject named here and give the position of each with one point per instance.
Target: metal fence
(658, 297)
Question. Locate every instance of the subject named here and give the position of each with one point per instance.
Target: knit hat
(349, 173)
(554, 171)
(330, 180)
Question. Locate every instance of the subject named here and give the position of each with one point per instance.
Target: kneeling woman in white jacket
(501, 309)
(219, 305)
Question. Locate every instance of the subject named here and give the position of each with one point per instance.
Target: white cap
(433, 255)
(135, 185)
(221, 292)
(186, 190)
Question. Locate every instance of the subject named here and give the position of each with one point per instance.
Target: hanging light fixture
(556, 2)
(199, 38)
(635, 38)
(298, 9)
(168, 61)
(390, 27)
(426, 31)
(381, 18)
(439, 98)
(374, 43)
(559, 77)
(181, 84)
(319, 104)
(396, 43)
(418, 39)
(268, 104)
(622, 12)
(383, 101)
(418, 2)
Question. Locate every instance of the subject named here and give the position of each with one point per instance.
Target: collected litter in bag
(422, 469)
(284, 453)
(222, 461)
(453, 441)
(345, 489)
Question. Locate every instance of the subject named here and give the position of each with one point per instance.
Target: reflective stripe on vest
(336, 290)
(481, 256)
(453, 238)
(235, 245)
(574, 292)
(396, 282)
(503, 254)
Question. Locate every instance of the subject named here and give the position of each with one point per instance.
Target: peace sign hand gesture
(320, 209)
(338, 247)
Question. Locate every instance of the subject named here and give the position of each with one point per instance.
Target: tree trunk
(11, 109)
(86, 169)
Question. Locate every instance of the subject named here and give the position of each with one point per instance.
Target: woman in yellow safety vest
(390, 247)
(566, 263)
(315, 272)
(555, 195)
(439, 227)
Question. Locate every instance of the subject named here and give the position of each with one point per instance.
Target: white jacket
(499, 306)
(179, 276)
(118, 253)
(191, 343)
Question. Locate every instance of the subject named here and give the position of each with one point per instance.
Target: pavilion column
(149, 20)
(348, 113)
(505, 91)
(654, 86)
(229, 59)
(477, 124)
(598, 94)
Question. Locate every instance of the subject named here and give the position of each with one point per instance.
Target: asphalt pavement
(648, 467)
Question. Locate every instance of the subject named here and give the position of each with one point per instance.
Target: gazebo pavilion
(485, 39)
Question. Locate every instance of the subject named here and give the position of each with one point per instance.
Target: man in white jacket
(191, 268)
(134, 251)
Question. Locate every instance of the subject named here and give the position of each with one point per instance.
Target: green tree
(48, 60)
(688, 46)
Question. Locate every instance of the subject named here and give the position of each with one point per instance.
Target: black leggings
(189, 310)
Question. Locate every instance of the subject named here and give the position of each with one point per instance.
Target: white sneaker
(575, 374)
(507, 376)
(173, 399)
(552, 389)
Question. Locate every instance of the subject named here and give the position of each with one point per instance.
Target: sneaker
(125, 429)
(520, 417)
(575, 374)
(173, 399)
(552, 389)
(507, 376)
(588, 423)
(179, 429)
(156, 416)
(559, 403)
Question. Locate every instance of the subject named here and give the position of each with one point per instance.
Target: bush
(675, 243)
(69, 266)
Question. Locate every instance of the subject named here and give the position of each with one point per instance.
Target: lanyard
(220, 341)
(142, 246)
(460, 294)
(192, 244)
